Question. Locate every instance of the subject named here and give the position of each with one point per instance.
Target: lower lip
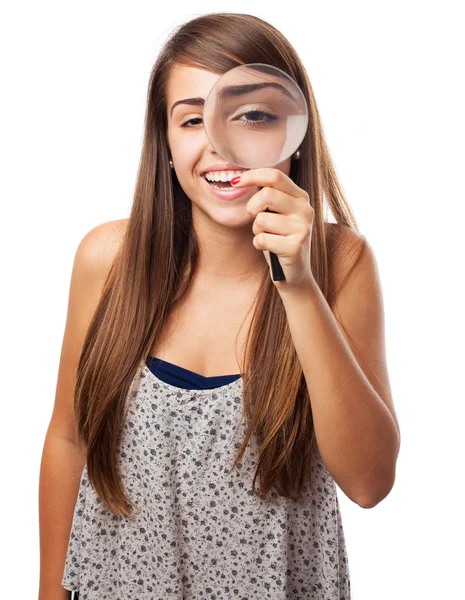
(226, 194)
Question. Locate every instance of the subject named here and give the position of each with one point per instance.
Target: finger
(269, 177)
(276, 223)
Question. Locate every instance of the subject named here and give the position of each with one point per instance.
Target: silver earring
(297, 155)
(171, 163)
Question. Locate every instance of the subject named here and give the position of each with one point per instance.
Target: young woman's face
(192, 153)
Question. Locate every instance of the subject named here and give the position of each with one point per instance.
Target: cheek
(186, 145)
(187, 160)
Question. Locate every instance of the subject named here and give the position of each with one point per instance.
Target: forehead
(189, 82)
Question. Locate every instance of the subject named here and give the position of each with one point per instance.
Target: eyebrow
(233, 91)
(191, 101)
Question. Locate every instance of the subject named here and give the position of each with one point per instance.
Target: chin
(229, 216)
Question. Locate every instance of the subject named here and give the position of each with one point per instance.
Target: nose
(210, 148)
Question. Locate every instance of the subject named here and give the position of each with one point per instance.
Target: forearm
(60, 472)
(356, 434)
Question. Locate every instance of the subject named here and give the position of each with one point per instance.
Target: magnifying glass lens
(255, 116)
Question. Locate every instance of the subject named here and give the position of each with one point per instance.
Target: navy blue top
(183, 378)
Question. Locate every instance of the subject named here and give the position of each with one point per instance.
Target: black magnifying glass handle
(276, 268)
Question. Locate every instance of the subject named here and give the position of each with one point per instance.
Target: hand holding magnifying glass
(275, 123)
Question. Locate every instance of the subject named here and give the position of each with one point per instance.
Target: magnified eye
(257, 117)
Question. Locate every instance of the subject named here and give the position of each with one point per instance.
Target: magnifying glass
(256, 116)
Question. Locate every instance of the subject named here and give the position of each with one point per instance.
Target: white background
(388, 79)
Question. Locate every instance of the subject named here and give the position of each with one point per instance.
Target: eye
(185, 124)
(254, 119)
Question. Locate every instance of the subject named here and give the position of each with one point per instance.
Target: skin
(227, 253)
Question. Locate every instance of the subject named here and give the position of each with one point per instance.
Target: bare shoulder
(94, 256)
(342, 235)
(100, 245)
(346, 248)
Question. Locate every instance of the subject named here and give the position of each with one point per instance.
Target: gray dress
(197, 532)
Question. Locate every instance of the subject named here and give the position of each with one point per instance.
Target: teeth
(222, 175)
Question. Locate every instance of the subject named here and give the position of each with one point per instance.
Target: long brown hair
(159, 247)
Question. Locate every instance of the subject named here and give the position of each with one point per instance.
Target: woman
(199, 374)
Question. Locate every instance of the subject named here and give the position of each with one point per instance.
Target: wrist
(309, 290)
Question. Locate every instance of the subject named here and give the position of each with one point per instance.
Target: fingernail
(235, 180)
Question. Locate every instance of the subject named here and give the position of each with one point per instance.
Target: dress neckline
(195, 386)
(182, 369)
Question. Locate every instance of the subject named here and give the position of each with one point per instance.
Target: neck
(227, 256)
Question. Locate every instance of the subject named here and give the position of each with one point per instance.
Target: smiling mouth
(218, 184)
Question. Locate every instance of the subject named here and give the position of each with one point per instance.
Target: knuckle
(260, 218)
(276, 175)
(306, 231)
(310, 212)
(267, 192)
